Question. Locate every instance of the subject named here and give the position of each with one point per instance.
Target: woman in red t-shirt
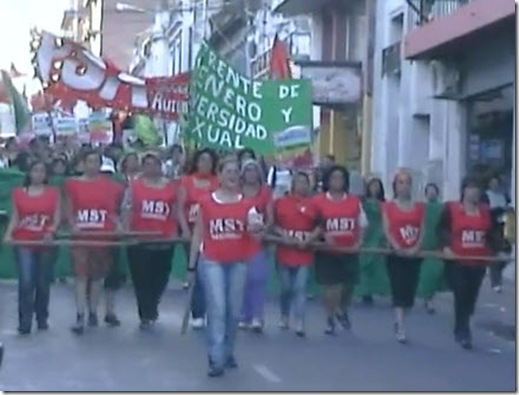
(35, 216)
(221, 245)
(93, 202)
(403, 228)
(150, 204)
(342, 221)
(195, 185)
(466, 229)
(294, 259)
(254, 189)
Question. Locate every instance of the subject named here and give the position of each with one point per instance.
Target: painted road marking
(267, 374)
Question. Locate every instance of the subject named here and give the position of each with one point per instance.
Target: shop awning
(298, 7)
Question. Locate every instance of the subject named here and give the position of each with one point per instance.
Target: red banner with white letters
(69, 72)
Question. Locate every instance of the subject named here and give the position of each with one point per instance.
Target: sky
(17, 17)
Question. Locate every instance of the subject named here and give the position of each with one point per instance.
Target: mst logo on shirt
(409, 234)
(91, 218)
(226, 228)
(473, 238)
(300, 235)
(34, 222)
(155, 209)
(340, 225)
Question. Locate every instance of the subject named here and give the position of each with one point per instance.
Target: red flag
(279, 65)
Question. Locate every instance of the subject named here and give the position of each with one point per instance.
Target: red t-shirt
(35, 213)
(289, 216)
(94, 203)
(469, 232)
(260, 202)
(339, 218)
(152, 209)
(225, 238)
(404, 225)
(194, 193)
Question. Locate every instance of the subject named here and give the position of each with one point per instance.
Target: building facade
(443, 90)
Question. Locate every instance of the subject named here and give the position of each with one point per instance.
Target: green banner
(230, 111)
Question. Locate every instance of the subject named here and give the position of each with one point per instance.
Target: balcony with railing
(430, 10)
(440, 23)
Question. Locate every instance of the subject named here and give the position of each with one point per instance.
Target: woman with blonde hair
(403, 227)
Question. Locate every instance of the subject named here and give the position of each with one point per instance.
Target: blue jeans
(223, 288)
(256, 287)
(34, 279)
(293, 290)
(198, 307)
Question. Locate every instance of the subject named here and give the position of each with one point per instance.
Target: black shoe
(24, 331)
(43, 326)
(344, 320)
(145, 324)
(215, 372)
(466, 343)
(79, 327)
(231, 363)
(112, 320)
(368, 300)
(92, 319)
(330, 326)
(300, 333)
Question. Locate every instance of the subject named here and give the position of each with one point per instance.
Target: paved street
(369, 358)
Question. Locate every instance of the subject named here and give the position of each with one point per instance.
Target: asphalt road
(367, 359)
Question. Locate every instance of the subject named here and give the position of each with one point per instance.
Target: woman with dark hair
(293, 258)
(129, 167)
(35, 217)
(255, 190)
(343, 222)
(194, 186)
(432, 193)
(372, 276)
(246, 154)
(150, 204)
(432, 269)
(93, 202)
(403, 223)
(466, 229)
(219, 250)
(59, 167)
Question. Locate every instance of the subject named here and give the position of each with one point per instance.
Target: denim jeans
(198, 307)
(34, 279)
(223, 287)
(256, 287)
(293, 290)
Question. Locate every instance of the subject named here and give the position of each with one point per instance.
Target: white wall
(410, 128)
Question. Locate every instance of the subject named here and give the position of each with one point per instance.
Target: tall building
(109, 27)
(444, 90)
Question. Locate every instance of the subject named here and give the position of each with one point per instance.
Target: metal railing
(430, 10)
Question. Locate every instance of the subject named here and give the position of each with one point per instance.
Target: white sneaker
(243, 325)
(197, 323)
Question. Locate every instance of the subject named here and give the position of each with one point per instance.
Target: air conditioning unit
(446, 80)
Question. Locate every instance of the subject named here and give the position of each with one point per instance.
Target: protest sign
(289, 121)
(229, 111)
(100, 128)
